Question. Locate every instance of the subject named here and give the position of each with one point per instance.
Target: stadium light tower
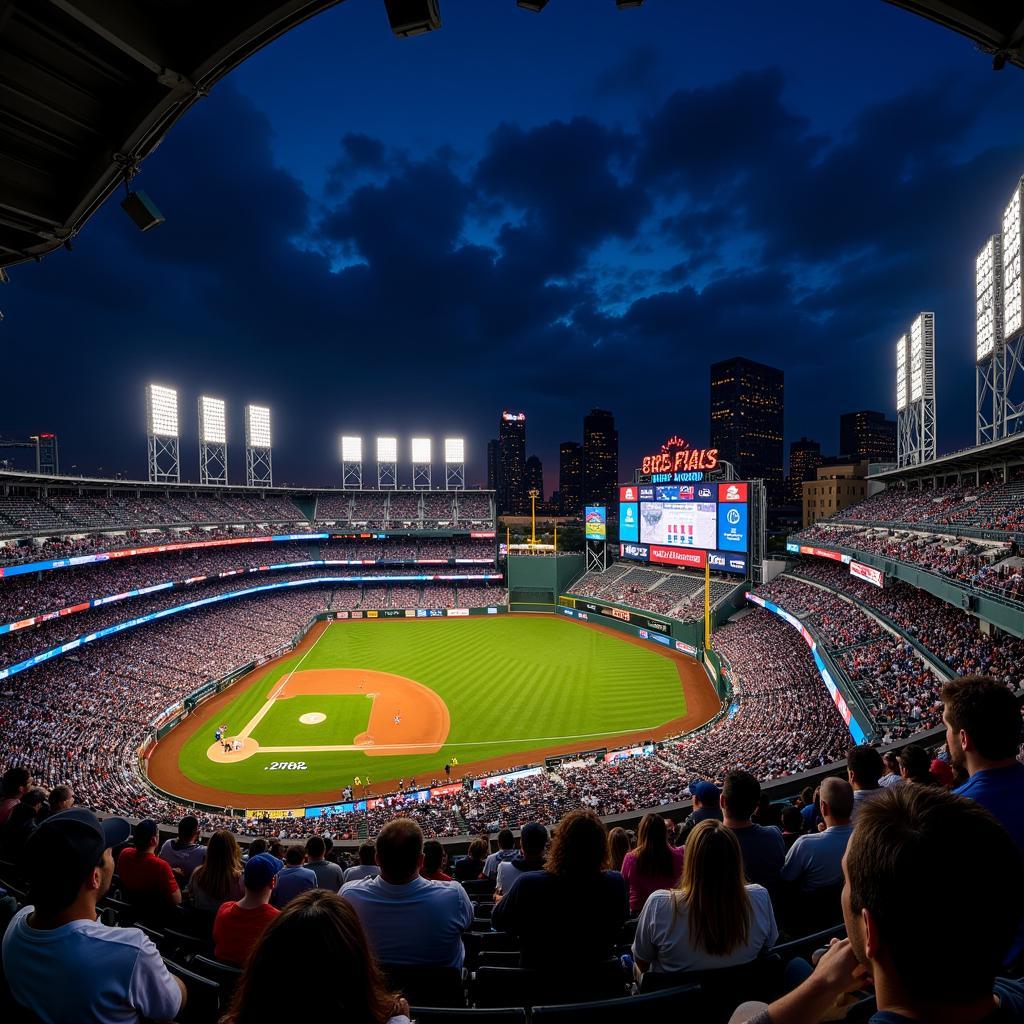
(906, 432)
(162, 431)
(213, 441)
(351, 462)
(259, 462)
(421, 463)
(1013, 314)
(454, 464)
(387, 462)
(990, 380)
(915, 393)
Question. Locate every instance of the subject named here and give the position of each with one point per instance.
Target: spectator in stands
(654, 864)
(60, 962)
(568, 916)
(61, 799)
(367, 866)
(471, 867)
(714, 919)
(764, 852)
(328, 875)
(16, 782)
(897, 862)
(506, 851)
(915, 765)
(942, 773)
(293, 878)
(863, 769)
(22, 822)
(219, 877)
(146, 881)
(815, 860)
(891, 776)
(317, 939)
(185, 853)
(619, 845)
(706, 804)
(533, 840)
(435, 860)
(792, 826)
(983, 732)
(239, 924)
(811, 811)
(408, 919)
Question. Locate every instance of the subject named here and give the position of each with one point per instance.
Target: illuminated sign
(595, 520)
(629, 522)
(628, 493)
(514, 417)
(732, 492)
(694, 559)
(676, 456)
(867, 573)
(732, 527)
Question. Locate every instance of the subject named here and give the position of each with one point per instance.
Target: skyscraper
(570, 478)
(512, 464)
(804, 460)
(534, 478)
(600, 459)
(747, 403)
(493, 464)
(867, 436)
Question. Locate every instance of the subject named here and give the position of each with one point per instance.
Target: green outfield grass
(511, 685)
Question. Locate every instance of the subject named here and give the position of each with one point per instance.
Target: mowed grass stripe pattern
(509, 683)
(347, 716)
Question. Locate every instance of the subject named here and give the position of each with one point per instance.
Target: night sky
(541, 212)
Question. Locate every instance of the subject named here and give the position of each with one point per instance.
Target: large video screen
(690, 525)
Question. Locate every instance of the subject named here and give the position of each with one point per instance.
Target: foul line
(258, 717)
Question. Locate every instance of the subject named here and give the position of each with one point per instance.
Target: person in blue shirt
(932, 894)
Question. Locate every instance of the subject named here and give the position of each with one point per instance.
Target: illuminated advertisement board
(629, 521)
(867, 573)
(596, 520)
(732, 527)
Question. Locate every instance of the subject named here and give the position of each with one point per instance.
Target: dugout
(535, 581)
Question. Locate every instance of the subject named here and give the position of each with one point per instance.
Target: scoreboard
(691, 525)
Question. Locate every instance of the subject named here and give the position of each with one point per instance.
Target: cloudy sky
(539, 212)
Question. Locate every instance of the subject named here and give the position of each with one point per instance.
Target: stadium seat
(676, 1004)
(500, 986)
(181, 946)
(806, 945)
(481, 887)
(203, 1005)
(226, 975)
(807, 913)
(449, 1015)
(426, 984)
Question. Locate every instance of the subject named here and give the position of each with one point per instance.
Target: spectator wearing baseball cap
(147, 882)
(59, 961)
(533, 840)
(706, 804)
(239, 925)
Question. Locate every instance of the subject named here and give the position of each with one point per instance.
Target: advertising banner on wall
(596, 522)
(867, 573)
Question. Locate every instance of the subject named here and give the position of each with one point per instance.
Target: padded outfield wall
(535, 581)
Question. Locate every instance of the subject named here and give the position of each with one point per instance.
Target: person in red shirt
(435, 860)
(239, 925)
(147, 881)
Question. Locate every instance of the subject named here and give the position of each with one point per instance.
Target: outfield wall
(535, 581)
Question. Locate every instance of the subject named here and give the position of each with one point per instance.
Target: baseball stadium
(706, 731)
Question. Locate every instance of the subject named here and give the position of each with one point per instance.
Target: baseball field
(396, 699)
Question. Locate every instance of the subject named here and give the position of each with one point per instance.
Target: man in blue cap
(59, 961)
(239, 925)
(706, 804)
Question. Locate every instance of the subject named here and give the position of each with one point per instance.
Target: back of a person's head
(926, 863)
(219, 873)
(618, 846)
(917, 761)
(318, 935)
(315, 847)
(506, 841)
(399, 845)
(34, 797)
(838, 794)
(740, 794)
(653, 856)
(257, 846)
(433, 856)
(368, 852)
(477, 849)
(791, 819)
(865, 765)
(713, 889)
(533, 839)
(59, 795)
(891, 761)
(187, 828)
(987, 711)
(295, 856)
(14, 780)
(580, 846)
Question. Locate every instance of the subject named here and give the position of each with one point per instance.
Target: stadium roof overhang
(89, 88)
(997, 26)
(1008, 451)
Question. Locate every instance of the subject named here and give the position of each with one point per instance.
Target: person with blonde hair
(219, 877)
(713, 918)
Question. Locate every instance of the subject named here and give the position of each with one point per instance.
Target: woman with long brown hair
(618, 847)
(653, 865)
(219, 878)
(313, 961)
(713, 919)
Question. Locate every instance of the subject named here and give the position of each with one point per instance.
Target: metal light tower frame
(990, 373)
(162, 434)
(1013, 313)
(387, 463)
(213, 441)
(421, 464)
(924, 324)
(351, 462)
(259, 453)
(906, 417)
(454, 464)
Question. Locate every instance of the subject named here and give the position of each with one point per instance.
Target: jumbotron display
(693, 525)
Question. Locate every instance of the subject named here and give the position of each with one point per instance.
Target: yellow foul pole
(707, 607)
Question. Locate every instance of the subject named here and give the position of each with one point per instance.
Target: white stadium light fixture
(213, 427)
(454, 449)
(387, 449)
(1013, 312)
(420, 450)
(984, 292)
(916, 361)
(163, 411)
(351, 449)
(901, 373)
(257, 426)
(387, 462)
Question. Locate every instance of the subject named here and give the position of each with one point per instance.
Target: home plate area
(405, 717)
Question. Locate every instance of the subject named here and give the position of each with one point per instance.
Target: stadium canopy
(89, 88)
(1008, 451)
